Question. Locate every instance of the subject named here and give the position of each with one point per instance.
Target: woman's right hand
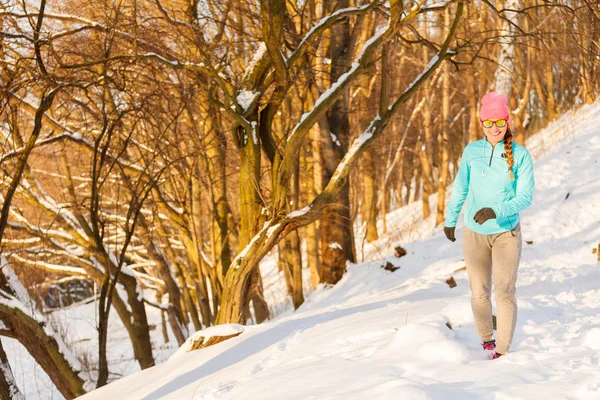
(449, 232)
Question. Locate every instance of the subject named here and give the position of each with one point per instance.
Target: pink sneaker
(496, 356)
(491, 345)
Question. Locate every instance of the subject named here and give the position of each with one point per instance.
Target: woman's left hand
(483, 215)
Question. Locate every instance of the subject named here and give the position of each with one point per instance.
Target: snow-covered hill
(380, 334)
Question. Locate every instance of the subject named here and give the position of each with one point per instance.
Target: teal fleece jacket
(483, 180)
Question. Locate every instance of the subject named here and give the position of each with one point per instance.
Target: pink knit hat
(494, 106)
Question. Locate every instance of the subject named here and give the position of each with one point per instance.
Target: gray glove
(483, 215)
(449, 232)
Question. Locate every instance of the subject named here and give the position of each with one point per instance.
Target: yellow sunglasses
(488, 123)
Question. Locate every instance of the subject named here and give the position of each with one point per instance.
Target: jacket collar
(485, 141)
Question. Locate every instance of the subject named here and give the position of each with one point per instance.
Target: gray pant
(503, 252)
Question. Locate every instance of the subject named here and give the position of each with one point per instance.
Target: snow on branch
(278, 227)
(24, 225)
(324, 23)
(206, 259)
(19, 298)
(260, 53)
(85, 23)
(327, 98)
(62, 269)
(13, 390)
(323, 103)
(60, 210)
(437, 5)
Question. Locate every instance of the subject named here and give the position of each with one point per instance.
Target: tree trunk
(295, 252)
(370, 195)
(203, 268)
(255, 295)
(405, 181)
(320, 140)
(297, 294)
(474, 129)
(369, 166)
(8, 387)
(176, 320)
(549, 79)
(520, 107)
(539, 89)
(424, 147)
(177, 324)
(312, 250)
(285, 264)
(588, 56)
(202, 297)
(337, 233)
(506, 58)
(417, 177)
(290, 261)
(139, 330)
(384, 100)
(312, 231)
(187, 298)
(250, 213)
(216, 150)
(445, 156)
(38, 337)
(102, 329)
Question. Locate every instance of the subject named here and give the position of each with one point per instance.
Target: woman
(495, 178)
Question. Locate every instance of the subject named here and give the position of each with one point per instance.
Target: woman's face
(494, 134)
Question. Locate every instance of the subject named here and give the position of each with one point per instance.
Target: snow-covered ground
(407, 334)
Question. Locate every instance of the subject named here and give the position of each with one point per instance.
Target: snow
(406, 334)
(328, 18)
(171, 62)
(341, 80)
(78, 325)
(272, 230)
(51, 267)
(260, 52)
(335, 245)
(334, 139)
(245, 250)
(254, 135)
(245, 99)
(21, 296)
(299, 213)
(432, 62)
(438, 4)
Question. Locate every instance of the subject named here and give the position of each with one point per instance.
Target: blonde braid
(508, 137)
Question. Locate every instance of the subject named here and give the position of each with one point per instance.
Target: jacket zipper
(493, 147)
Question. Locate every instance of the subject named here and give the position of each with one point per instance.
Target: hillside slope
(380, 334)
